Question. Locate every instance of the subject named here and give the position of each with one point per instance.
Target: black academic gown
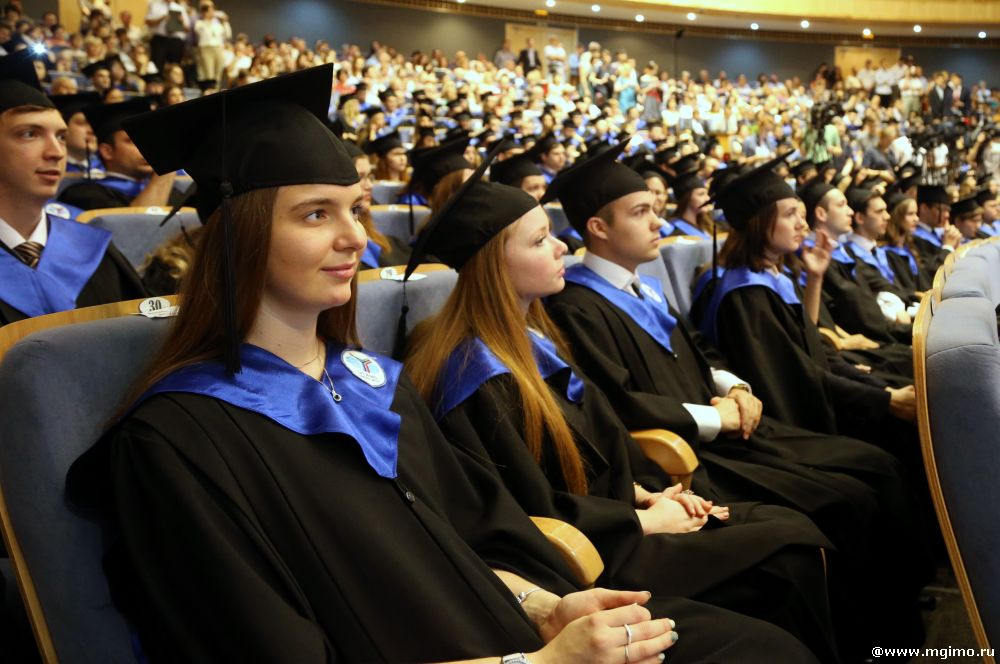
(873, 280)
(919, 281)
(833, 479)
(854, 304)
(240, 540)
(92, 195)
(932, 256)
(114, 280)
(760, 563)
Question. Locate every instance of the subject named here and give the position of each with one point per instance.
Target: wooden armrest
(578, 552)
(831, 338)
(670, 452)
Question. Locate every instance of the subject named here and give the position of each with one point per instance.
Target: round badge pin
(364, 367)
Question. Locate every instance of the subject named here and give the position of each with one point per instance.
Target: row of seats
(56, 552)
(956, 351)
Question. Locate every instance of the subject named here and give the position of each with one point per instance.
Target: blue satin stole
(371, 254)
(905, 253)
(667, 229)
(988, 229)
(131, 188)
(927, 235)
(569, 231)
(411, 198)
(71, 256)
(473, 363)
(874, 258)
(687, 229)
(742, 277)
(275, 389)
(650, 312)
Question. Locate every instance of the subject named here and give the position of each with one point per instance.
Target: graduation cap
(859, 197)
(432, 164)
(70, 105)
(824, 166)
(346, 98)
(984, 196)
(385, 94)
(596, 147)
(932, 194)
(94, 67)
(372, 111)
(106, 119)
(456, 133)
(802, 167)
(590, 184)
(544, 145)
(746, 194)
(642, 163)
(426, 131)
(513, 170)
(685, 183)
(907, 169)
(262, 135)
(353, 151)
(967, 205)
(507, 143)
(813, 191)
(384, 144)
(904, 183)
(152, 79)
(19, 84)
(892, 200)
(722, 177)
(687, 163)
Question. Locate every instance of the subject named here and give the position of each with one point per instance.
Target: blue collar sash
(570, 232)
(875, 258)
(473, 363)
(130, 188)
(688, 229)
(273, 388)
(667, 229)
(905, 253)
(649, 312)
(743, 277)
(927, 236)
(71, 256)
(371, 254)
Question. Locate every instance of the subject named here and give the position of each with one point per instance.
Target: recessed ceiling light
(595, 8)
(754, 26)
(804, 24)
(640, 18)
(550, 3)
(692, 16)
(867, 32)
(917, 28)
(982, 34)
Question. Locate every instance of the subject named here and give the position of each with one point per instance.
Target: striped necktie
(30, 252)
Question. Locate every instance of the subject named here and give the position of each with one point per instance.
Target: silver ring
(687, 492)
(627, 659)
(628, 635)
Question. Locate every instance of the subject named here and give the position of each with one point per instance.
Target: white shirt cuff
(724, 381)
(708, 420)
(890, 304)
(948, 247)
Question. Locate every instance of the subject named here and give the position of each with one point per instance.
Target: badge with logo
(649, 292)
(364, 367)
(57, 210)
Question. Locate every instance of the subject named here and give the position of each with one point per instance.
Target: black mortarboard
(385, 94)
(544, 145)
(433, 163)
(641, 162)
(685, 183)
(346, 98)
(823, 166)
(903, 183)
(383, 144)
(597, 146)
(964, 206)
(456, 133)
(70, 105)
(590, 184)
(93, 67)
(813, 191)
(426, 131)
(858, 198)
(984, 196)
(511, 171)
(474, 215)
(931, 194)
(687, 163)
(746, 194)
(372, 111)
(353, 151)
(893, 199)
(907, 169)
(106, 119)
(463, 116)
(19, 84)
(152, 79)
(263, 135)
(507, 143)
(724, 176)
(800, 169)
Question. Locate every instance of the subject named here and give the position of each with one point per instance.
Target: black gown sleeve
(231, 602)
(91, 196)
(593, 349)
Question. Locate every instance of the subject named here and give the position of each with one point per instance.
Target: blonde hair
(485, 305)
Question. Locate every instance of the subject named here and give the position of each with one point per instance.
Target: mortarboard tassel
(715, 253)
(231, 351)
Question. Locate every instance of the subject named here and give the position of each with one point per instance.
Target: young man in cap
(934, 235)
(129, 180)
(987, 200)
(81, 144)
(869, 221)
(48, 263)
(550, 155)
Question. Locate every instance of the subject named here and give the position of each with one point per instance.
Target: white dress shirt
(11, 238)
(706, 417)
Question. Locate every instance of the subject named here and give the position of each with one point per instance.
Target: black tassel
(412, 225)
(191, 194)
(715, 253)
(399, 342)
(86, 155)
(231, 351)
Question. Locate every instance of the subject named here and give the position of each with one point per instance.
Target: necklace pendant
(336, 397)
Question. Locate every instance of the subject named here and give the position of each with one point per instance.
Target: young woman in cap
(278, 494)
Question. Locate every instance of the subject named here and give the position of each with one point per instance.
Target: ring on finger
(627, 658)
(687, 492)
(628, 634)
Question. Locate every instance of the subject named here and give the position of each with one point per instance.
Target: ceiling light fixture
(595, 8)
(754, 26)
(639, 18)
(804, 24)
(917, 28)
(692, 16)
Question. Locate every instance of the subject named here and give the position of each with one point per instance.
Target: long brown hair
(374, 234)
(896, 233)
(444, 188)
(745, 247)
(380, 170)
(703, 220)
(484, 304)
(197, 333)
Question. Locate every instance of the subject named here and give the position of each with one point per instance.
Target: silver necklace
(333, 390)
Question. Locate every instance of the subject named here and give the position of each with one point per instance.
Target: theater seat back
(58, 389)
(137, 231)
(682, 257)
(394, 220)
(380, 302)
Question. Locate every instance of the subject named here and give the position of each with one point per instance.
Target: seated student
(245, 531)
(48, 263)
(81, 145)
(128, 180)
(550, 155)
(803, 172)
(901, 250)
(854, 305)
(491, 353)
(656, 181)
(433, 165)
(934, 236)
(987, 200)
(168, 264)
(653, 369)
(693, 214)
(390, 157)
(755, 317)
(381, 250)
(869, 221)
(967, 217)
